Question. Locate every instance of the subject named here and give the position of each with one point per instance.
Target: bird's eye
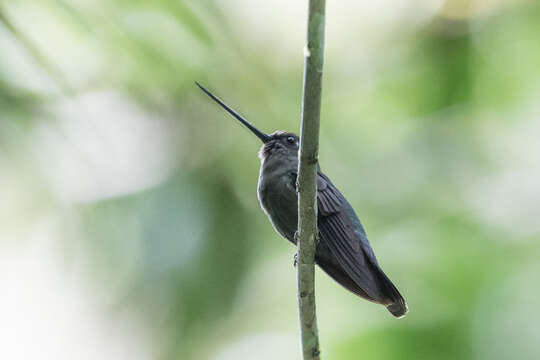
(291, 139)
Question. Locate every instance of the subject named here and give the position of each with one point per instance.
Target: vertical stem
(307, 175)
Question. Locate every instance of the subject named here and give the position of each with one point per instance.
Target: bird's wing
(342, 232)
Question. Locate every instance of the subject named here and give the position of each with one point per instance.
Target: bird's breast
(278, 198)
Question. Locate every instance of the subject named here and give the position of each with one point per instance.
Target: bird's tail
(398, 309)
(394, 302)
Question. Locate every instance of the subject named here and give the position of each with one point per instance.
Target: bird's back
(349, 258)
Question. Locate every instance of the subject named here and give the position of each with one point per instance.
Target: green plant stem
(307, 175)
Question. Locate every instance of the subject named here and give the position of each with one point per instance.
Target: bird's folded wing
(345, 239)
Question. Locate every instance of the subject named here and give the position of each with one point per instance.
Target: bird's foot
(295, 260)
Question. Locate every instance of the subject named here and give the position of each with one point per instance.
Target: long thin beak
(264, 137)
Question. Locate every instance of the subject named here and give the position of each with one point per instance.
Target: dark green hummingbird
(343, 250)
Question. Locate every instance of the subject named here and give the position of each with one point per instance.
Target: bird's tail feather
(398, 309)
(395, 303)
(389, 296)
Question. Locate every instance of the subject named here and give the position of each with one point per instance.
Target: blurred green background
(129, 224)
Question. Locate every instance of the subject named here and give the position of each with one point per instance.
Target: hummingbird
(343, 250)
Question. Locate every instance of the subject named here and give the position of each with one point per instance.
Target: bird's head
(280, 142)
